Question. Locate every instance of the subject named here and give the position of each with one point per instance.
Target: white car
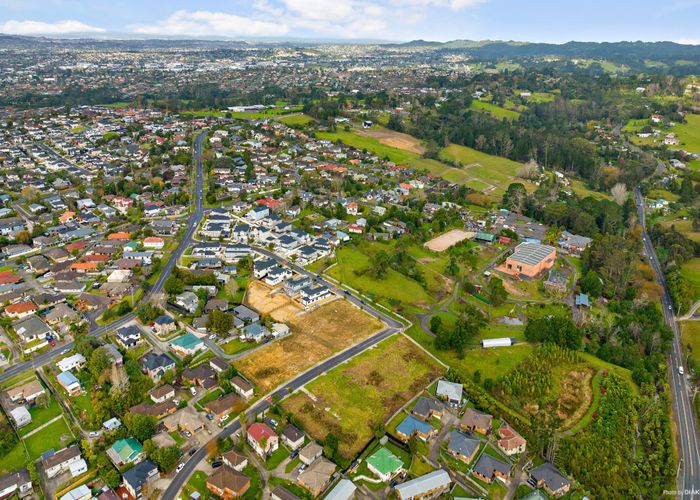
(680, 370)
(193, 390)
(179, 468)
(212, 336)
(224, 418)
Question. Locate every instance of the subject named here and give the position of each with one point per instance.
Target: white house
(75, 361)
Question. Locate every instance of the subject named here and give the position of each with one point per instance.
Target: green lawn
(395, 286)
(210, 397)
(198, 483)
(689, 133)
(235, 346)
(495, 110)
(40, 416)
(276, 458)
(14, 460)
(295, 120)
(49, 438)
(179, 440)
(691, 271)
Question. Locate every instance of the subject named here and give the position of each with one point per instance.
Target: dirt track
(396, 140)
(448, 239)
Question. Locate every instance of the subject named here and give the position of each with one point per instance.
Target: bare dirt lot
(396, 140)
(352, 399)
(448, 239)
(316, 335)
(278, 305)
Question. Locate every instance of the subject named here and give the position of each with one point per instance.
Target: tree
(330, 447)
(592, 284)
(496, 292)
(555, 329)
(219, 322)
(23, 238)
(619, 193)
(98, 364)
(165, 458)
(515, 197)
(142, 427)
(174, 285)
(379, 265)
(435, 324)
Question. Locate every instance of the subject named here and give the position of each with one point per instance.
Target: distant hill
(604, 50)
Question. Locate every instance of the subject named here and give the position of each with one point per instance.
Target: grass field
(395, 286)
(355, 397)
(53, 437)
(689, 133)
(691, 271)
(495, 110)
(492, 170)
(295, 120)
(690, 339)
(40, 416)
(404, 157)
(316, 335)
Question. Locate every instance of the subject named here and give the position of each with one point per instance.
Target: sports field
(352, 399)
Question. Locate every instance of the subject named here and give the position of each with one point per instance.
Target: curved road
(192, 224)
(688, 481)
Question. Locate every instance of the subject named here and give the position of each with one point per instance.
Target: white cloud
(202, 23)
(451, 4)
(42, 28)
(689, 41)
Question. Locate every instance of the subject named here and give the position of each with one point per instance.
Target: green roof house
(187, 344)
(384, 464)
(125, 451)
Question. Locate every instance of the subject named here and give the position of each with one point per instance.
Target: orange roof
(67, 215)
(153, 239)
(119, 236)
(84, 266)
(406, 185)
(21, 307)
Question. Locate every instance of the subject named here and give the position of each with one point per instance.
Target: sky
(554, 21)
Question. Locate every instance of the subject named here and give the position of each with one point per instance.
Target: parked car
(193, 391)
(216, 464)
(192, 451)
(179, 468)
(93, 434)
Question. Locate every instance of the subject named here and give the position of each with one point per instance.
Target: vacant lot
(315, 336)
(495, 110)
(395, 139)
(352, 399)
(278, 305)
(448, 239)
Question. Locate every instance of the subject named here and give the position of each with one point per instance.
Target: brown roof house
(476, 421)
(317, 476)
(226, 482)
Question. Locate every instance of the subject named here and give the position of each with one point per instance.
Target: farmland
(691, 271)
(495, 110)
(355, 397)
(316, 335)
(690, 339)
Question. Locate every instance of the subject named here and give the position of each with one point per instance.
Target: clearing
(448, 239)
(316, 335)
(365, 392)
(690, 340)
(395, 139)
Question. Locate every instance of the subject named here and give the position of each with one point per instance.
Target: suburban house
(82, 492)
(202, 375)
(69, 363)
(412, 426)
(292, 437)
(462, 447)
(384, 464)
(427, 408)
(187, 301)
(551, 479)
(128, 337)
(155, 365)
(317, 475)
(224, 405)
(235, 460)
(138, 477)
(164, 324)
(282, 493)
(60, 461)
(262, 439)
(476, 421)
(488, 468)
(430, 485)
(27, 392)
(310, 452)
(449, 391)
(70, 383)
(162, 393)
(125, 451)
(20, 310)
(510, 442)
(16, 482)
(32, 332)
(187, 344)
(227, 483)
(530, 260)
